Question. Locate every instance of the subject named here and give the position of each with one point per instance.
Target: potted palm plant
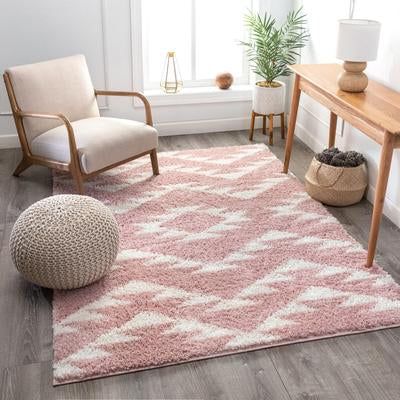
(270, 49)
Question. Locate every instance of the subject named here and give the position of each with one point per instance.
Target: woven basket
(336, 186)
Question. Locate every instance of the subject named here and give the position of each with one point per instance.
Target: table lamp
(357, 43)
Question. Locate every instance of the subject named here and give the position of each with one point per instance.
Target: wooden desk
(376, 113)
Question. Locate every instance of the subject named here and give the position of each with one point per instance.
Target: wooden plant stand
(271, 126)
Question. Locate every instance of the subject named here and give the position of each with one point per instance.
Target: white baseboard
(209, 125)
(9, 141)
(312, 141)
(390, 209)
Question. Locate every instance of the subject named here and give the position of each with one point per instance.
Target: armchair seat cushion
(100, 141)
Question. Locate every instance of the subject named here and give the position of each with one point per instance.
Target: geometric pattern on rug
(221, 253)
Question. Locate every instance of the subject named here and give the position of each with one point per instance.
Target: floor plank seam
(280, 377)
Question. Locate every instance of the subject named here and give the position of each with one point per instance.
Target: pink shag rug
(221, 253)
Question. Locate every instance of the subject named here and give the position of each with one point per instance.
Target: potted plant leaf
(270, 49)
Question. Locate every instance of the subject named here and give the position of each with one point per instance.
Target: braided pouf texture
(65, 241)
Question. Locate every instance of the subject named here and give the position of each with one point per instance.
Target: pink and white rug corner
(221, 253)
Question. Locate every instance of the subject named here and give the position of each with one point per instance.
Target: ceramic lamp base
(353, 79)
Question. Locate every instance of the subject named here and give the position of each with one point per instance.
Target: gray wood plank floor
(364, 366)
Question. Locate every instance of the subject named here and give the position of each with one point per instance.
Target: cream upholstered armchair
(59, 125)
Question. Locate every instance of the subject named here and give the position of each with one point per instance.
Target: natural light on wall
(204, 34)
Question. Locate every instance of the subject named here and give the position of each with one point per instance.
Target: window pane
(166, 27)
(219, 27)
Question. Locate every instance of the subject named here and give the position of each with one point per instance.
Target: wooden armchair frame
(73, 166)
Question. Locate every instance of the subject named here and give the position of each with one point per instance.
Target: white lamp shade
(358, 40)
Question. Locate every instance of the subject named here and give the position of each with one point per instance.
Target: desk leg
(332, 129)
(292, 122)
(384, 170)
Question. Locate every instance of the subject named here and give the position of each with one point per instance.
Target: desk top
(378, 104)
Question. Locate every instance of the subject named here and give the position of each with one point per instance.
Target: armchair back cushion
(52, 87)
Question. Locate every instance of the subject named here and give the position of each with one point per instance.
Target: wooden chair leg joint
(22, 166)
(154, 162)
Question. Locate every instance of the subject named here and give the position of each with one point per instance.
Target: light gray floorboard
(365, 366)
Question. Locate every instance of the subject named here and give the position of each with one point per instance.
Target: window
(203, 33)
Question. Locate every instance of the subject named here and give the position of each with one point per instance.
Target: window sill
(198, 95)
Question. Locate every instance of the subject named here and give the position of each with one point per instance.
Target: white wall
(313, 119)
(32, 31)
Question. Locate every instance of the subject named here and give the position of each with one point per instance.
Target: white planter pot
(269, 100)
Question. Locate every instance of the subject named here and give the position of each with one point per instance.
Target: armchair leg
(77, 177)
(22, 166)
(154, 162)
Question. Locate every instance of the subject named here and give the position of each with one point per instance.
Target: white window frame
(194, 91)
(193, 82)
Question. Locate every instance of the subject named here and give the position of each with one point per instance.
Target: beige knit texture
(65, 241)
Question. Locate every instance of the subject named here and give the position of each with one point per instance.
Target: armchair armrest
(65, 121)
(141, 96)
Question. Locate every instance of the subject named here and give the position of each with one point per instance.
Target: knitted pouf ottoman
(65, 241)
